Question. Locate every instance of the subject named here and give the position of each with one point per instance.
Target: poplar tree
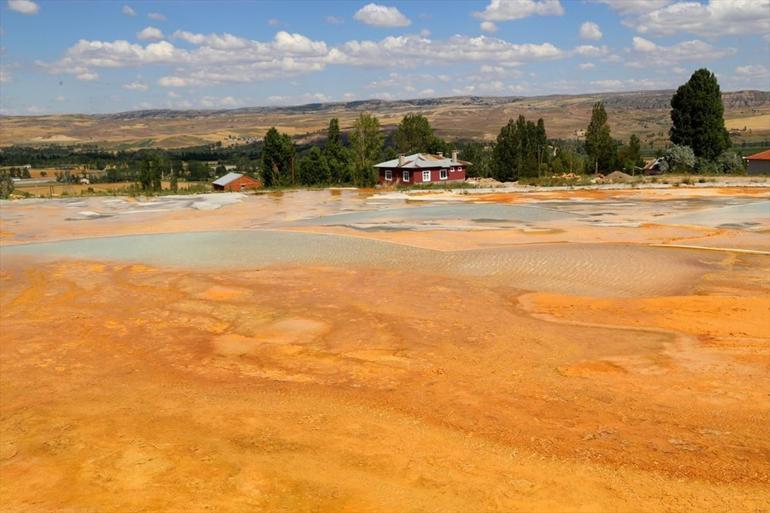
(599, 145)
(366, 143)
(697, 116)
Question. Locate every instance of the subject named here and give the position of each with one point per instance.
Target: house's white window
(451, 169)
(426, 176)
(406, 176)
(443, 174)
(388, 175)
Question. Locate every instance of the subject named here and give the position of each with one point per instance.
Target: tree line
(522, 149)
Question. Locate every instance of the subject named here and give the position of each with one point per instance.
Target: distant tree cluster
(521, 150)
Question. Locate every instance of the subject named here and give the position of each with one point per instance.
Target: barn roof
(762, 155)
(422, 160)
(226, 179)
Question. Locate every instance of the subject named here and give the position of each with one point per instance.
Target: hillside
(645, 113)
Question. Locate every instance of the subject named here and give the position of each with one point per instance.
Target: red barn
(422, 168)
(236, 182)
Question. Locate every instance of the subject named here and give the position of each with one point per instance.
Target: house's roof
(422, 160)
(226, 179)
(762, 155)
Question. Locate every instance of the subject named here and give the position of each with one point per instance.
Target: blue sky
(103, 56)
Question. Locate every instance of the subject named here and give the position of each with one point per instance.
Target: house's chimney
(401, 161)
(441, 154)
(454, 155)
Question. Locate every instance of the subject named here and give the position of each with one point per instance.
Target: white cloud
(23, 6)
(216, 41)
(127, 10)
(631, 84)
(225, 58)
(136, 86)
(412, 50)
(381, 16)
(299, 99)
(590, 30)
(150, 33)
(648, 53)
(488, 26)
(211, 101)
(752, 71)
(156, 16)
(710, 19)
(632, 7)
(586, 65)
(60, 98)
(334, 20)
(273, 22)
(644, 45)
(506, 10)
(87, 76)
(591, 51)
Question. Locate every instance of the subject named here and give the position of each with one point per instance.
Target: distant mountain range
(645, 113)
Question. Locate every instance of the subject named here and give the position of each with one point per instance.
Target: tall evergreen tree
(414, 134)
(599, 144)
(366, 143)
(697, 116)
(337, 157)
(277, 159)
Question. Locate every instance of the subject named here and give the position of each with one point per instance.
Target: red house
(235, 182)
(422, 168)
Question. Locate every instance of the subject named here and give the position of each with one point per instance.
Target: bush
(730, 162)
(680, 158)
(706, 166)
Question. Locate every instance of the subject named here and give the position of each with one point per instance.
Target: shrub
(706, 166)
(680, 158)
(730, 162)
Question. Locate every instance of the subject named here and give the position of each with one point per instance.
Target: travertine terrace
(350, 351)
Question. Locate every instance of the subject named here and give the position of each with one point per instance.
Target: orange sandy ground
(131, 388)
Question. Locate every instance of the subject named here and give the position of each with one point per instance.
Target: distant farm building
(236, 182)
(759, 163)
(422, 168)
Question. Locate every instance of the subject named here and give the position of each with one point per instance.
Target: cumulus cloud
(381, 16)
(128, 10)
(506, 10)
(647, 53)
(586, 65)
(590, 30)
(136, 86)
(488, 26)
(212, 101)
(631, 84)
(714, 18)
(23, 6)
(156, 16)
(591, 51)
(87, 76)
(150, 33)
(633, 7)
(752, 71)
(225, 58)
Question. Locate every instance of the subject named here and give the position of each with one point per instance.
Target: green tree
(520, 149)
(599, 144)
(731, 162)
(480, 158)
(150, 173)
(630, 156)
(697, 116)
(314, 168)
(414, 134)
(277, 159)
(197, 171)
(6, 185)
(366, 143)
(337, 156)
